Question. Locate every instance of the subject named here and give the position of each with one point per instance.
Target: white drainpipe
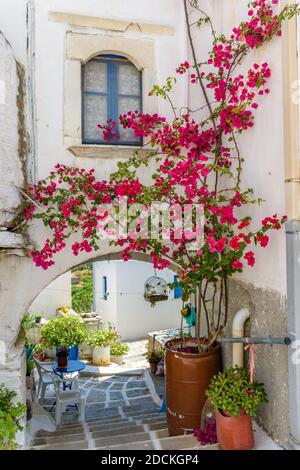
(238, 331)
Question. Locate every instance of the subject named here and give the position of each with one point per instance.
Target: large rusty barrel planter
(187, 378)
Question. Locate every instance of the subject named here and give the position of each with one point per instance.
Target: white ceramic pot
(101, 356)
(117, 359)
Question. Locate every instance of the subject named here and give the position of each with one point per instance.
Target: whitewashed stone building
(44, 46)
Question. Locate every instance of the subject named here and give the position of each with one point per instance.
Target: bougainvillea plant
(192, 160)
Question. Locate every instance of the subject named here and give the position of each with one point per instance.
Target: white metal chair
(44, 373)
(65, 398)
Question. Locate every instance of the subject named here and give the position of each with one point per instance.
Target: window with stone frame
(111, 85)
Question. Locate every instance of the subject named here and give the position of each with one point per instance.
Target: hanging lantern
(155, 289)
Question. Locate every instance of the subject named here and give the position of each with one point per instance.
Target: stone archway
(22, 278)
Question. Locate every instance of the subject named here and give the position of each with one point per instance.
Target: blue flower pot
(73, 353)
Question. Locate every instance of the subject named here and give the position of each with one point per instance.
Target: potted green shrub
(154, 357)
(38, 352)
(62, 333)
(10, 416)
(118, 351)
(236, 400)
(101, 342)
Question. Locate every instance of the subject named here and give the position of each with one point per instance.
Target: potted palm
(235, 399)
(61, 334)
(101, 342)
(117, 351)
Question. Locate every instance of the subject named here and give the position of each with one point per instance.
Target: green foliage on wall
(82, 294)
(10, 415)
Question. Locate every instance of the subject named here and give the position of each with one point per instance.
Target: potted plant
(10, 417)
(63, 333)
(235, 399)
(101, 342)
(154, 357)
(118, 351)
(38, 317)
(38, 352)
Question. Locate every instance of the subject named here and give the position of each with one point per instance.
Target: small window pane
(129, 80)
(95, 77)
(95, 112)
(125, 105)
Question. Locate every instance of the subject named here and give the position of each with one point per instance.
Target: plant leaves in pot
(63, 333)
(101, 342)
(235, 400)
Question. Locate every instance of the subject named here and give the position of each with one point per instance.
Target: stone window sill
(106, 151)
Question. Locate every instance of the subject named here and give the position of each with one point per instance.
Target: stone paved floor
(105, 396)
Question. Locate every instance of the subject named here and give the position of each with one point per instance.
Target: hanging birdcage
(155, 289)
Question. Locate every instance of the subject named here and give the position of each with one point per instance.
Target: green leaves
(231, 391)
(118, 349)
(10, 415)
(102, 338)
(64, 332)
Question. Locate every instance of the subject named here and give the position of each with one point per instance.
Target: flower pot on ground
(154, 357)
(117, 352)
(74, 353)
(188, 374)
(101, 342)
(236, 400)
(38, 352)
(64, 332)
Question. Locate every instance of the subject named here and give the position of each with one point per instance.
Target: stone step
(160, 442)
(58, 439)
(78, 445)
(116, 429)
(106, 442)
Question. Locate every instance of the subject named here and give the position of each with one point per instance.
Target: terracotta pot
(187, 378)
(153, 367)
(235, 433)
(40, 357)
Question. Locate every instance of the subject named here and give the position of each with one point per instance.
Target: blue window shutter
(178, 289)
(108, 100)
(105, 290)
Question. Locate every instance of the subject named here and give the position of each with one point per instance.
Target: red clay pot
(235, 433)
(40, 357)
(188, 376)
(153, 367)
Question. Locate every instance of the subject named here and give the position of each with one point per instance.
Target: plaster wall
(126, 306)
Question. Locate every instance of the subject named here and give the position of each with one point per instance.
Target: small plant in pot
(236, 400)
(39, 352)
(101, 342)
(154, 357)
(117, 351)
(63, 333)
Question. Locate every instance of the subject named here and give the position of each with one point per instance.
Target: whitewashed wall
(55, 295)
(126, 306)
(262, 146)
(53, 75)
